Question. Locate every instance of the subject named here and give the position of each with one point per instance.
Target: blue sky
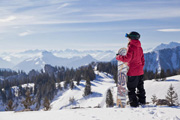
(86, 24)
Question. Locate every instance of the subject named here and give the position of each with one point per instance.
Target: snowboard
(122, 78)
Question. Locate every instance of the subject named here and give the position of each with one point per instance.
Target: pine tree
(71, 100)
(154, 98)
(65, 84)
(46, 104)
(71, 84)
(87, 89)
(10, 94)
(156, 75)
(109, 99)
(172, 96)
(59, 86)
(28, 101)
(77, 76)
(3, 95)
(168, 72)
(162, 75)
(10, 106)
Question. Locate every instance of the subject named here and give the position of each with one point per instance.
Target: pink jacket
(134, 58)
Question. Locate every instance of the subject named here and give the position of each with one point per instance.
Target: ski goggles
(126, 35)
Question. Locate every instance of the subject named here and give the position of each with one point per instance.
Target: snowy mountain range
(165, 59)
(5, 64)
(165, 46)
(46, 57)
(36, 59)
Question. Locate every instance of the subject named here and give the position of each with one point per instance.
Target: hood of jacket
(136, 43)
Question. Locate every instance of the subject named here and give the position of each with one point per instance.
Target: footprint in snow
(151, 112)
(93, 116)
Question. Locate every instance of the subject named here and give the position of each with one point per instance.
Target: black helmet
(133, 35)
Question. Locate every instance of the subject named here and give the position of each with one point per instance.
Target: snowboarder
(135, 61)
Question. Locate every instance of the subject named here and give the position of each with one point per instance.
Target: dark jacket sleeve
(128, 56)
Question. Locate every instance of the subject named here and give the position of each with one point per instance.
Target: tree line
(46, 86)
(111, 68)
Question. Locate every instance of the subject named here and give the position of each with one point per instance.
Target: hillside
(99, 87)
(61, 108)
(104, 82)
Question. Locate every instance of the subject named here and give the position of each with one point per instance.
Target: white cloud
(8, 19)
(25, 33)
(81, 12)
(63, 5)
(169, 30)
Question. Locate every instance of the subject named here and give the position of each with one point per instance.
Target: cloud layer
(169, 30)
(83, 20)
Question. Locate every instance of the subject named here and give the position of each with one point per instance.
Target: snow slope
(99, 88)
(102, 83)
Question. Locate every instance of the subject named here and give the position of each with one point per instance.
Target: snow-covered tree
(172, 96)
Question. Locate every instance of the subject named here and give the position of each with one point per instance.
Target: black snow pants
(133, 83)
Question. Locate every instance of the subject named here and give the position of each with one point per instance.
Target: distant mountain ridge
(36, 59)
(5, 64)
(46, 57)
(18, 57)
(165, 46)
(163, 59)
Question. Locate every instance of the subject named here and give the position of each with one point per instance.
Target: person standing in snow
(135, 61)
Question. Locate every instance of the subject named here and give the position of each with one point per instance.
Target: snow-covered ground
(104, 82)
(157, 113)
(62, 108)
(160, 88)
(99, 88)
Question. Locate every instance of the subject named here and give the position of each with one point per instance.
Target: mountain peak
(89, 57)
(165, 46)
(47, 53)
